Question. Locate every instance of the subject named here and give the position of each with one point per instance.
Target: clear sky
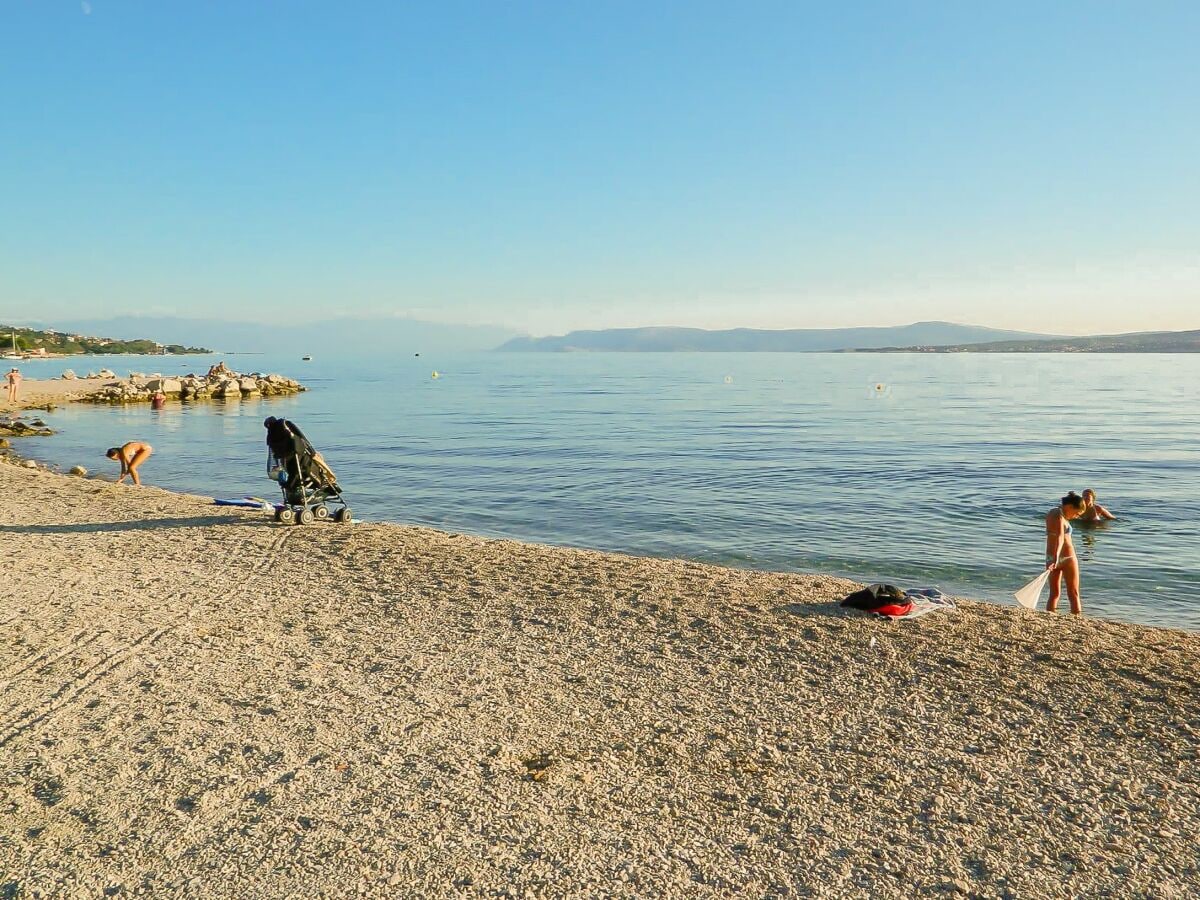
(558, 165)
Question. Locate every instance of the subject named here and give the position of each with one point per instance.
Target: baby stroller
(308, 484)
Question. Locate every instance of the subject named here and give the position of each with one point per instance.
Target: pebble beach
(195, 701)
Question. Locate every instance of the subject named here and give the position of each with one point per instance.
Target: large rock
(248, 386)
(77, 470)
(69, 375)
(228, 390)
(166, 385)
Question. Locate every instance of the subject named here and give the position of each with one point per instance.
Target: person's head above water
(1073, 504)
(1089, 496)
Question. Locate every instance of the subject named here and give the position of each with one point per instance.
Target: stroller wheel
(287, 515)
(342, 515)
(306, 516)
(321, 512)
(278, 515)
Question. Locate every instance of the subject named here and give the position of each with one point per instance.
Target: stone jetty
(219, 383)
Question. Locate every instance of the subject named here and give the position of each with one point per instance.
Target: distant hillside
(31, 340)
(768, 341)
(384, 334)
(1136, 342)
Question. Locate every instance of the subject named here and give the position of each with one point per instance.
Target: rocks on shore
(17, 428)
(219, 383)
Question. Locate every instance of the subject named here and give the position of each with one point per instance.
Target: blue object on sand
(247, 502)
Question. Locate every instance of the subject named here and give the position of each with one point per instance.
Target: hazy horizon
(550, 169)
(152, 319)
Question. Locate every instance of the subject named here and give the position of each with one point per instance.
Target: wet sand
(196, 702)
(36, 392)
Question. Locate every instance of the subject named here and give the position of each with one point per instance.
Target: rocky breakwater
(221, 383)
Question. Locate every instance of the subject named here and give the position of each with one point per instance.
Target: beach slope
(197, 702)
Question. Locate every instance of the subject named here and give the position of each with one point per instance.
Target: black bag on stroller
(307, 482)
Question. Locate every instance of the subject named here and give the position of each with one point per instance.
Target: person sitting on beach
(1060, 552)
(13, 381)
(1093, 512)
(131, 456)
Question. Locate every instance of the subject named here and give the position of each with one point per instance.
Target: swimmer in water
(1093, 512)
(130, 456)
(1061, 560)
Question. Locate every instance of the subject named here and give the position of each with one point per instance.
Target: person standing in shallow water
(1060, 552)
(130, 456)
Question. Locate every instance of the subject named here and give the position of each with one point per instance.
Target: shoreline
(195, 696)
(11, 453)
(44, 394)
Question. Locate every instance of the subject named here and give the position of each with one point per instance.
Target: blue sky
(557, 165)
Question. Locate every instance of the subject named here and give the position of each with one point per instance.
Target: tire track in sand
(82, 682)
(47, 656)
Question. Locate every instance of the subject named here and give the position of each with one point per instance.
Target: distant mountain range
(669, 339)
(1136, 342)
(367, 335)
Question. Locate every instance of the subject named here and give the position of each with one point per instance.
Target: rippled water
(916, 469)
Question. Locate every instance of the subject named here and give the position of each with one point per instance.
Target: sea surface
(914, 469)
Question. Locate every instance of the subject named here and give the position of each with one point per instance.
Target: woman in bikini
(13, 381)
(130, 456)
(1060, 552)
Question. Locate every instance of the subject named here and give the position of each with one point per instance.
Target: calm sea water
(914, 469)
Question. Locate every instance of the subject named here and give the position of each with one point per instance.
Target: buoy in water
(435, 374)
(729, 379)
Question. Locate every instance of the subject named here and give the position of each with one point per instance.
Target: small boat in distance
(15, 354)
(306, 359)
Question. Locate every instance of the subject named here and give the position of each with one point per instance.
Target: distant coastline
(32, 343)
(1139, 342)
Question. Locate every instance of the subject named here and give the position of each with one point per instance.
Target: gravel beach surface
(196, 702)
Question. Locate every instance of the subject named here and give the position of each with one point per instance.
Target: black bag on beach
(874, 596)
